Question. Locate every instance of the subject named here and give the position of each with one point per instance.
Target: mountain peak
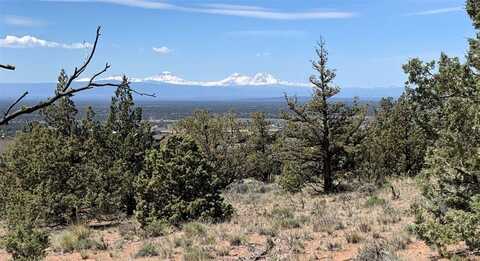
(235, 79)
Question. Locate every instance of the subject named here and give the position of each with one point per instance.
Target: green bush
(291, 179)
(178, 185)
(373, 201)
(26, 243)
(156, 228)
(147, 250)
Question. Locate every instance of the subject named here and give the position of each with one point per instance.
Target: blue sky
(368, 40)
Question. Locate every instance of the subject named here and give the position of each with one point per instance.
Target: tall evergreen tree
(322, 131)
(128, 139)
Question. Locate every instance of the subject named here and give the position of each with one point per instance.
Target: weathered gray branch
(7, 67)
(68, 90)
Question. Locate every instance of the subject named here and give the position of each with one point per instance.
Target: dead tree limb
(67, 90)
(7, 67)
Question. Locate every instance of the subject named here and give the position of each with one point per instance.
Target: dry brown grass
(270, 224)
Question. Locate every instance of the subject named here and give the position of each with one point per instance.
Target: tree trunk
(328, 186)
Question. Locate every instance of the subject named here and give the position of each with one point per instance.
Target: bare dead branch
(67, 90)
(15, 103)
(7, 67)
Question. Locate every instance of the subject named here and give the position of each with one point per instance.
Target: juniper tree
(322, 132)
(261, 162)
(128, 137)
(178, 185)
(220, 140)
(61, 114)
(451, 188)
(395, 144)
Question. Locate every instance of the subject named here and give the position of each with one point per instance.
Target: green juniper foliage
(178, 185)
(395, 144)
(450, 96)
(220, 141)
(261, 162)
(127, 140)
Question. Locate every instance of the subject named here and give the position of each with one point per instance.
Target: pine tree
(322, 132)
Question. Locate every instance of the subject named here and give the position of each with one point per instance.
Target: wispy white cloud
(27, 41)
(438, 11)
(238, 7)
(263, 54)
(227, 9)
(162, 50)
(22, 21)
(269, 33)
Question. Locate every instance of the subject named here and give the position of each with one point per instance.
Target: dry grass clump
(376, 251)
(353, 237)
(76, 238)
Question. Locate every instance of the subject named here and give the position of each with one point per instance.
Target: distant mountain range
(169, 87)
(236, 79)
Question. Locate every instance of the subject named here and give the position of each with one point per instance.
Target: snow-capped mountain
(236, 79)
(257, 79)
(167, 77)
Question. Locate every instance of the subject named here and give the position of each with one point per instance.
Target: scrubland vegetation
(329, 184)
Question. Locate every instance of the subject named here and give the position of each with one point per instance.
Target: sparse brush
(325, 223)
(295, 243)
(147, 250)
(334, 246)
(195, 229)
(353, 237)
(267, 231)
(373, 201)
(222, 250)
(285, 218)
(376, 251)
(195, 253)
(237, 240)
(400, 242)
(77, 237)
(182, 242)
(364, 227)
(157, 228)
(390, 216)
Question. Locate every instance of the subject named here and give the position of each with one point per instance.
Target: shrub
(147, 250)
(237, 239)
(376, 251)
(62, 176)
(291, 180)
(195, 229)
(178, 185)
(77, 238)
(156, 228)
(373, 201)
(353, 237)
(26, 243)
(196, 253)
